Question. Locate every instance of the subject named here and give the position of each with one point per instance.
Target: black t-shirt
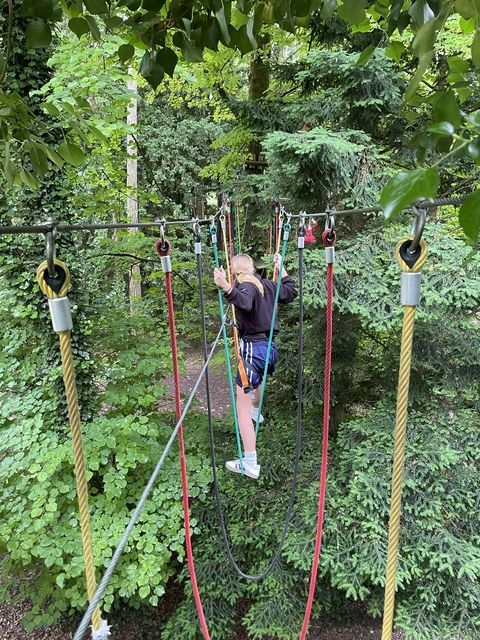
(254, 311)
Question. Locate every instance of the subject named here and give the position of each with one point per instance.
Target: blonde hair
(244, 270)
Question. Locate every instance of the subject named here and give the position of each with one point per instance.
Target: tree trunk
(135, 278)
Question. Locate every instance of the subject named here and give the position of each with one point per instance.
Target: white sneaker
(254, 415)
(252, 471)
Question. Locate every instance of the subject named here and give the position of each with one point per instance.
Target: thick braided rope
(324, 463)
(183, 460)
(399, 447)
(77, 441)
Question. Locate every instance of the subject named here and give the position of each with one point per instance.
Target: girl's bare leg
(256, 397)
(247, 431)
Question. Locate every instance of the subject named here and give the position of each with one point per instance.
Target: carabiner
(161, 230)
(418, 227)
(329, 221)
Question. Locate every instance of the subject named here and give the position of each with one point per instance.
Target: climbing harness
(411, 254)
(53, 278)
(328, 239)
(163, 250)
(298, 440)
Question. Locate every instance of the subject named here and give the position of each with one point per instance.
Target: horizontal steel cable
(429, 204)
(44, 227)
(68, 228)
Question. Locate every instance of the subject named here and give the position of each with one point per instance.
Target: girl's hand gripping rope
(220, 279)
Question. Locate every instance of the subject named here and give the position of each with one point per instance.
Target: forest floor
(138, 625)
(147, 624)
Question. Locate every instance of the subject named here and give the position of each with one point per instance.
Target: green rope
(213, 232)
(286, 233)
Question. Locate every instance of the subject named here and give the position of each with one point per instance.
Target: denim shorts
(254, 355)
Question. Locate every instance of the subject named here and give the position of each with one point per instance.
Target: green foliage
(316, 164)
(123, 433)
(176, 144)
(469, 216)
(405, 188)
(439, 559)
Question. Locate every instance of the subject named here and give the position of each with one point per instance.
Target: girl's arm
(241, 296)
(287, 289)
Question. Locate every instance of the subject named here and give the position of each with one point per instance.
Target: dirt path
(218, 384)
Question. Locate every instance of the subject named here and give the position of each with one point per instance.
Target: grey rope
(82, 627)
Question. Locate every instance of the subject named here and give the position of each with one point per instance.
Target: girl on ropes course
(254, 300)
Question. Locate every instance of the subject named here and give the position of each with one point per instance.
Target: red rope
(328, 240)
(183, 462)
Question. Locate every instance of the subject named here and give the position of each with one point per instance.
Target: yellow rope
(76, 431)
(229, 279)
(399, 447)
(277, 247)
(237, 215)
